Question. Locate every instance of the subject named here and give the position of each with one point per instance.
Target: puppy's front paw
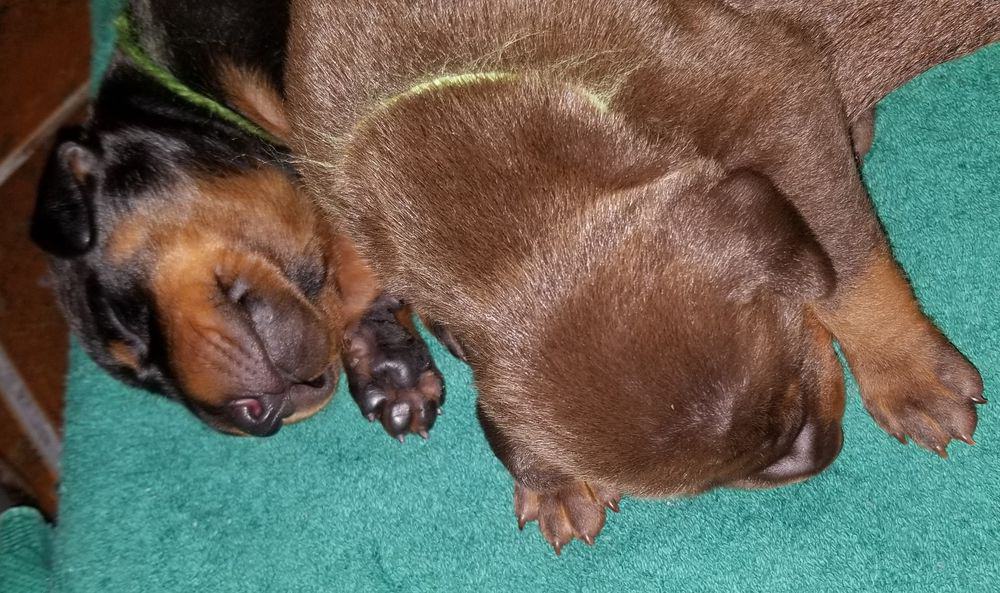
(926, 394)
(392, 377)
(575, 510)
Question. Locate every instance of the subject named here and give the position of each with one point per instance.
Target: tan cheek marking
(262, 205)
(252, 94)
(184, 288)
(127, 238)
(153, 221)
(123, 354)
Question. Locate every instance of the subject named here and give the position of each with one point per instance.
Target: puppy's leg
(914, 382)
(390, 372)
(863, 134)
(564, 507)
(444, 335)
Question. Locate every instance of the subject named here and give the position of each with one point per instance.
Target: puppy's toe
(407, 406)
(929, 418)
(526, 504)
(371, 401)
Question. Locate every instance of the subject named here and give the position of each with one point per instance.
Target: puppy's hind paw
(576, 510)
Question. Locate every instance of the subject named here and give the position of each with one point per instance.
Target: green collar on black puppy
(129, 44)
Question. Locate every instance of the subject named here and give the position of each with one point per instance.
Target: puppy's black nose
(257, 416)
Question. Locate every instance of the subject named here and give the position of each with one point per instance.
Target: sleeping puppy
(643, 221)
(186, 257)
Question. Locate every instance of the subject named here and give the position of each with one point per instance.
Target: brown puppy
(644, 223)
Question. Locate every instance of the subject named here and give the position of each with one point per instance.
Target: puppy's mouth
(311, 396)
(263, 414)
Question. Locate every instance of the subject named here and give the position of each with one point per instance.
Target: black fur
(139, 137)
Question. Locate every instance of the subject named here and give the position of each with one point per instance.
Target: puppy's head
(687, 344)
(195, 271)
(678, 324)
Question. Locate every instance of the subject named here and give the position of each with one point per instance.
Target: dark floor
(44, 48)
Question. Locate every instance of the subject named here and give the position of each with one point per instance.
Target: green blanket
(154, 501)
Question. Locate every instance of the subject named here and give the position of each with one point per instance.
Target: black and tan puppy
(186, 257)
(643, 221)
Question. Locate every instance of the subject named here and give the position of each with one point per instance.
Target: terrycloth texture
(25, 551)
(154, 501)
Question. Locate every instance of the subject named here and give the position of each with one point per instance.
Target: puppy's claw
(400, 438)
(587, 539)
(423, 434)
(612, 504)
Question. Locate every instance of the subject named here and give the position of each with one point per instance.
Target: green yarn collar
(456, 80)
(448, 81)
(129, 44)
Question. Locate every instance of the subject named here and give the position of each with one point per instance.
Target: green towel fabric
(152, 500)
(25, 551)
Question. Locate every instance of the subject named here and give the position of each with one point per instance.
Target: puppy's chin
(310, 405)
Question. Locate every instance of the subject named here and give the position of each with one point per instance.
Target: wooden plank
(19, 459)
(45, 46)
(33, 422)
(32, 330)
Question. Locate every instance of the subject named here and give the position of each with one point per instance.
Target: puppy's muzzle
(291, 351)
(251, 351)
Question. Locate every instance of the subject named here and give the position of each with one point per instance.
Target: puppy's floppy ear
(63, 221)
(772, 245)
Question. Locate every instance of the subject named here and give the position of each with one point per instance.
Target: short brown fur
(630, 215)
